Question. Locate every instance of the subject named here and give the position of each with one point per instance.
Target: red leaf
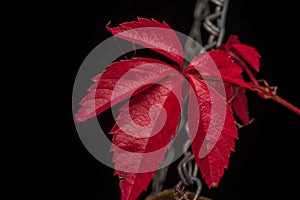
(233, 39)
(142, 135)
(237, 99)
(214, 64)
(248, 53)
(139, 71)
(240, 106)
(241, 52)
(134, 184)
(160, 37)
(214, 138)
(229, 89)
(143, 129)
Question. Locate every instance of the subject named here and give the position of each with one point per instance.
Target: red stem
(264, 92)
(268, 95)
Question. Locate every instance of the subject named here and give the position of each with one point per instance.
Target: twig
(264, 92)
(269, 95)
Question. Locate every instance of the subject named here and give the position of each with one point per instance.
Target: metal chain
(214, 24)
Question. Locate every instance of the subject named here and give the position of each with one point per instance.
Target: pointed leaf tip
(152, 34)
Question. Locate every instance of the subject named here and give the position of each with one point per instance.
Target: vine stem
(268, 95)
(263, 91)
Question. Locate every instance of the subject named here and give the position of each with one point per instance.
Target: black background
(54, 37)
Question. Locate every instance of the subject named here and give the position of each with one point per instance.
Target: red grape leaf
(159, 37)
(214, 64)
(142, 149)
(240, 106)
(237, 99)
(230, 73)
(132, 184)
(212, 141)
(248, 53)
(139, 71)
(143, 129)
(233, 39)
